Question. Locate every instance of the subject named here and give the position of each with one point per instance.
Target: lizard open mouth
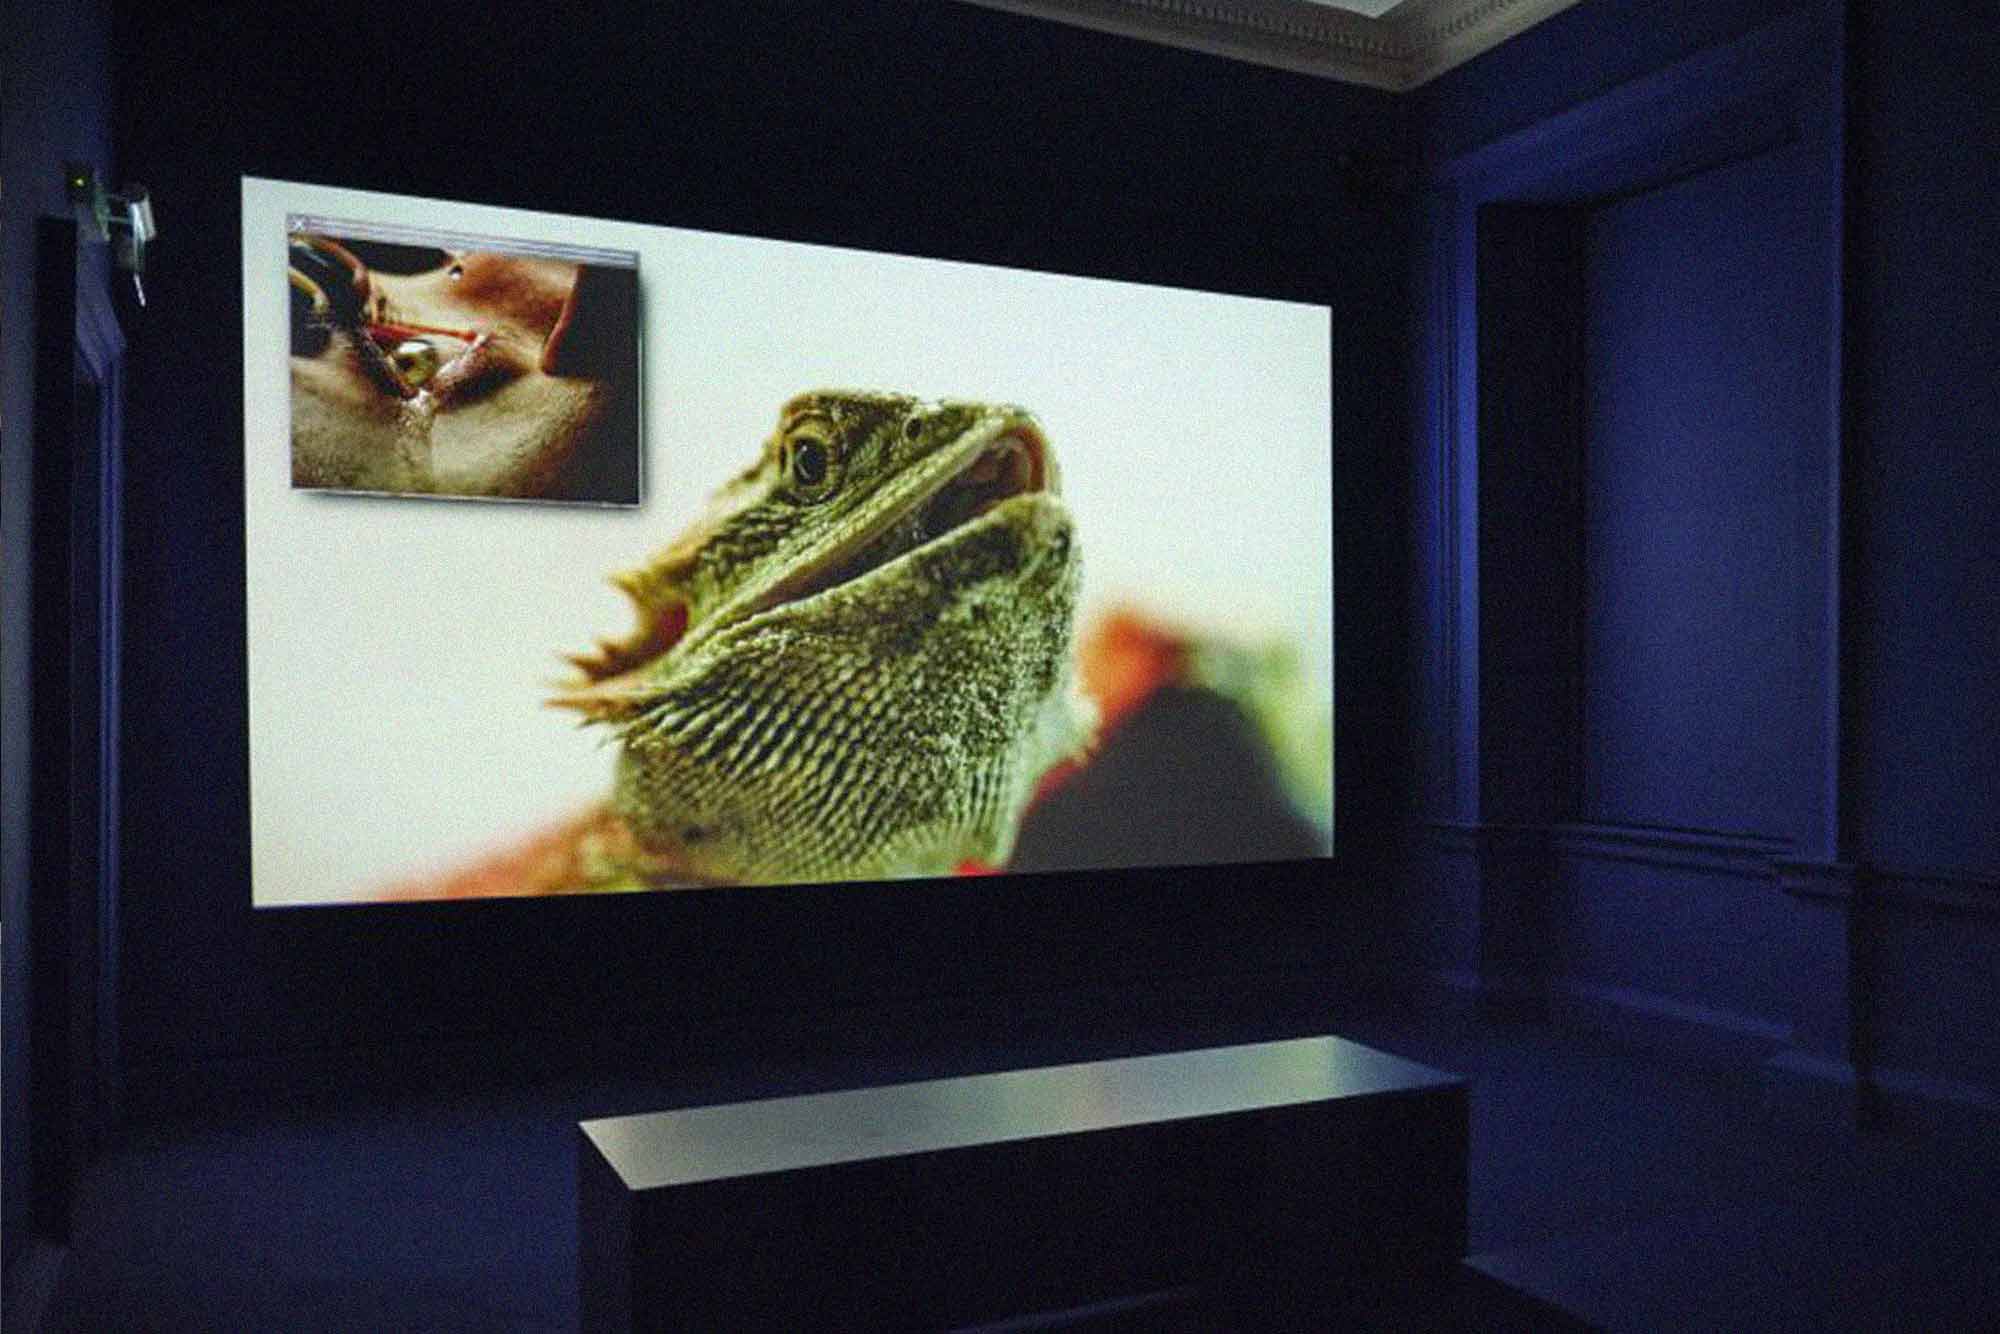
(999, 458)
(1015, 463)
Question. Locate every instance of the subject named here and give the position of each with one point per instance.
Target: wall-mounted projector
(123, 221)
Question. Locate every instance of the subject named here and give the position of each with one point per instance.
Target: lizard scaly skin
(859, 661)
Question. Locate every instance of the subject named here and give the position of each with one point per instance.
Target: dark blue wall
(1697, 387)
(57, 86)
(1586, 50)
(1926, 789)
(934, 129)
(1928, 401)
(1770, 829)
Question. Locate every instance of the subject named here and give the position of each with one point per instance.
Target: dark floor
(1644, 1194)
(1635, 1193)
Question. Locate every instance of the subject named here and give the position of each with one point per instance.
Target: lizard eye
(810, 464)
(913, 428)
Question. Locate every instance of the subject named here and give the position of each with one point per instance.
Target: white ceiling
(1373, 9)
(1392, 44)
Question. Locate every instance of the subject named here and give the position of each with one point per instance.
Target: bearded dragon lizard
(856, 664)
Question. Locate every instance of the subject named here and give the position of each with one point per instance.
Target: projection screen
(923, 568)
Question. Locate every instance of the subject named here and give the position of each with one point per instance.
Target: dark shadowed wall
(1704, 599)
(57, 107)
(1926, 394)
(933, 129)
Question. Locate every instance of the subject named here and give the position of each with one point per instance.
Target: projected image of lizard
(858, 662)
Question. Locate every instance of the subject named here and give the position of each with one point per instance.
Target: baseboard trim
(1936, 1107)
(1819, 1093)
(1744, 856)
(1661, 1023)
(1800, 1087)
(1636, 1018)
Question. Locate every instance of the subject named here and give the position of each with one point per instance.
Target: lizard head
(881, 603)
(846, 484)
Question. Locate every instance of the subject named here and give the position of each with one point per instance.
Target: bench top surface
(698, 1144)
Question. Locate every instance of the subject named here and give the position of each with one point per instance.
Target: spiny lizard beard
(890, 727)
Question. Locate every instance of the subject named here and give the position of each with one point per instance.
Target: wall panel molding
(1936, 891)
(1445, 392)
(1823, 1067)
(1847, 1061)
(1828, 882)
(1709, 852)
(1510, 855)
(1665, 1023)
(1648, 120)
(1505, 877)
(1948, 1108)
(1773, 87)
(1871, 978)
(1824, 1075)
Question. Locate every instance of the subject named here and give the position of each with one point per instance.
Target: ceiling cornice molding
(1404, 49)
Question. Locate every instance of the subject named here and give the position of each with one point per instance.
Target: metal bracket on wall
(122, 221)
